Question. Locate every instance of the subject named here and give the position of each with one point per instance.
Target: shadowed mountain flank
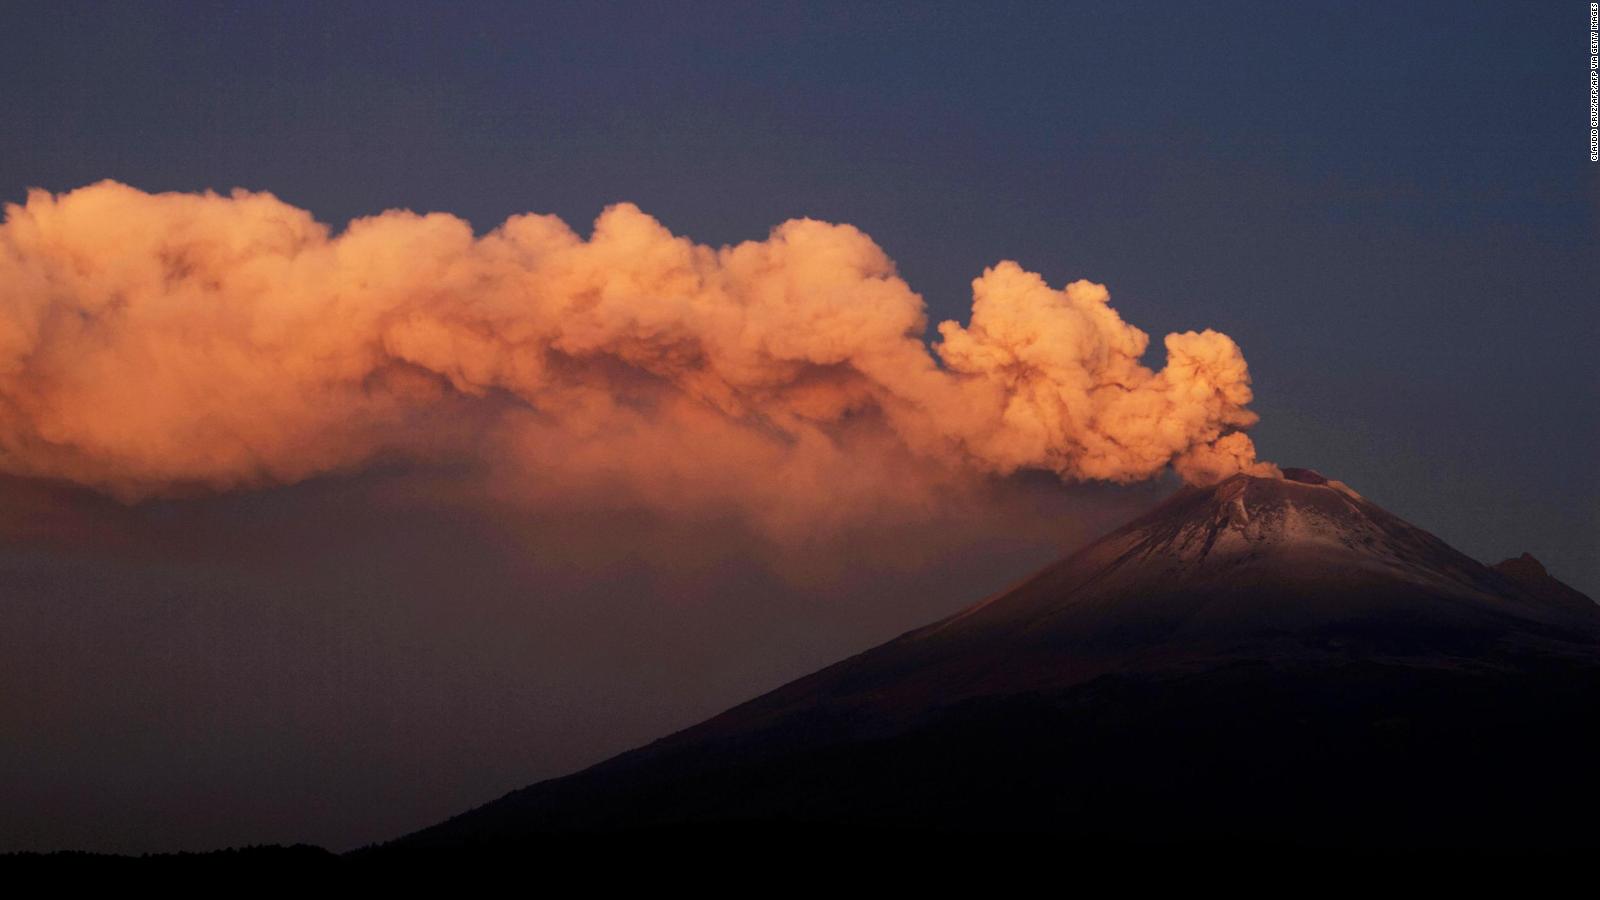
(1263, 659)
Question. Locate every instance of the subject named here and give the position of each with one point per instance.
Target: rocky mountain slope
(1262, 660)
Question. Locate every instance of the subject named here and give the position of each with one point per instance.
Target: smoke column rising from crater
(153, 344)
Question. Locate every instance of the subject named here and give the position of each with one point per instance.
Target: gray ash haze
(401, 405)
(349, 659)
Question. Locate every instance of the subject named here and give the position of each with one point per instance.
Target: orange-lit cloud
(158, 343)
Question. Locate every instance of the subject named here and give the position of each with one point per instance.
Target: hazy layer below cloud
(351, 658)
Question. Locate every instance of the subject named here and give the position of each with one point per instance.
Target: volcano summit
(1271, 661)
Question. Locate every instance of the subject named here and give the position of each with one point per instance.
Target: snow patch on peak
(1248, 518)
(1345, 489)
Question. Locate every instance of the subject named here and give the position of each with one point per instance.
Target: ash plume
(156, 344)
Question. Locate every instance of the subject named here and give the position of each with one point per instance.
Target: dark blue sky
(1389, 206)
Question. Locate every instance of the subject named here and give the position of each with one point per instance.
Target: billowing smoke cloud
(154, 344)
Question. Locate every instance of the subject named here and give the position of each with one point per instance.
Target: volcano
(1264, 660)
